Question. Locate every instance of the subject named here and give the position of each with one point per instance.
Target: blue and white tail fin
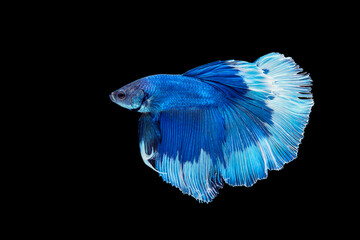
(292, 104)
(276, 86)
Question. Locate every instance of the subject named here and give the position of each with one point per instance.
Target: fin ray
(191, 150)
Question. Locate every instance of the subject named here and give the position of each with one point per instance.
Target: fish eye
(121, 95)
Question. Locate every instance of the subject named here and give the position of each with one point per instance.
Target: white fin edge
(146, 157)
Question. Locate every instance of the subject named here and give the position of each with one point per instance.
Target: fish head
(130, 96)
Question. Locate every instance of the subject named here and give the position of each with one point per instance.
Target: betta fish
(223, 122)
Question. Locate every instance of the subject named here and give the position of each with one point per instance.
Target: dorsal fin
(221, 72)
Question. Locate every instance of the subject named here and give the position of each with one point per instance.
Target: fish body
(165, 92)
(223, 122)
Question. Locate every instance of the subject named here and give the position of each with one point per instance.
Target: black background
(104, 180)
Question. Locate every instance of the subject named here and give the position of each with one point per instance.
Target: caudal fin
(292, 104)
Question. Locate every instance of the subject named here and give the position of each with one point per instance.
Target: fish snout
(113, 97)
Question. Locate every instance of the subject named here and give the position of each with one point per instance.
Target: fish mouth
(112, 97)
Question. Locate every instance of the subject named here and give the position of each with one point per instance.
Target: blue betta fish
(223, 122)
